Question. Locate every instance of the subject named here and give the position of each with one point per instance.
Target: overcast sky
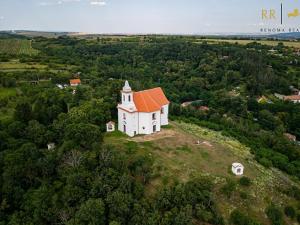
(142, 16)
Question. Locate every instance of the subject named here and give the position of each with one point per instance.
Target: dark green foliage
(245, 181)
(84, 135)
(83, 182)
(23, 110)
(239, 218)
(91, 212)
(290, 211)
(194, 196)
(275, 215)
(293, 192)
(229, 188)
(243, 195)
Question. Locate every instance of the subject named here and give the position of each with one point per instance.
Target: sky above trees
(145, 16)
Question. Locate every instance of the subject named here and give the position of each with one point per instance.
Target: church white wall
(164, 117)
(141, 123)
(130, 121)
(146, 122)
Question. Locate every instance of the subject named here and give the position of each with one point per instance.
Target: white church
(142, 112)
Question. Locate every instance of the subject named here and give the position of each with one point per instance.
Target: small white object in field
(237, 169)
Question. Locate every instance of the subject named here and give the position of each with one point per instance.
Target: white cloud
(98, 2)
(1, 17)
(57, 2)
(50, 3)
(61, 2)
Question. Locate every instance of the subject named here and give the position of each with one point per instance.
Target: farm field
(16, 65)
(245, 42)
(17, 47)
(177, 158)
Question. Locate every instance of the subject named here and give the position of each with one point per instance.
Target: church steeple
(127, 94)
(126, 87)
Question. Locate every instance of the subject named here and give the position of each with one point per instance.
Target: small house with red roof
(142, 112)
(292, 98)
(75, 82)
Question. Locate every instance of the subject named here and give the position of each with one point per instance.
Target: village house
(185, 104)
(203, 108)
(292, 98)
(75, 82)
(142, 112)
(279, 96)
(295, 91)
(290, 137)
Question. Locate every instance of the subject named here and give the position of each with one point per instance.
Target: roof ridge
(147, 90)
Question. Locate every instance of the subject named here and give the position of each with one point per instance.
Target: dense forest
(84, 180)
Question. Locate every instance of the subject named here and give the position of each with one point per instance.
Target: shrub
(243, 195)
(245, 181)
(275, 215)
(265, 162)
(290, 211)
(298, 218)
(228, 188)
(239, 218)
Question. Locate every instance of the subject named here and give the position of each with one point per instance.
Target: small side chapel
(142, 112)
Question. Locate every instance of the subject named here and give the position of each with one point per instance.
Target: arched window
(153, 116)
(129, 98)
(123, 98)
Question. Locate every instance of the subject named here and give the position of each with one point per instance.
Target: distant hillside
(294, 35)
(35, 33)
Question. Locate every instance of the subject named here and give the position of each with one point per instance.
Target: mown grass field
(177, 158)
(295, 44)
(17, 47)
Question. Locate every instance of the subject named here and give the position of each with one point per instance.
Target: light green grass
(17, 47)
(7, 92)
(15, 65)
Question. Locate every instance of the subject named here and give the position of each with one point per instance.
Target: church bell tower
(127, 94)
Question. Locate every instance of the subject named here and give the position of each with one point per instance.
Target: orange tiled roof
(203, 108)
(75, 81)
(150, 100)
(292, 97)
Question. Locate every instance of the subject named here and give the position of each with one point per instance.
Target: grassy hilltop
(177, 158)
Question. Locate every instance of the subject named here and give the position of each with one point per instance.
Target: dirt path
(164, 133)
